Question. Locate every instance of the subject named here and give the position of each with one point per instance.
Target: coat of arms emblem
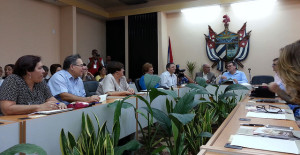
(227, 46)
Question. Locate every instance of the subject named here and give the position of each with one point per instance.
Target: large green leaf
(205, 134)
(154, 93)
(162, 119)
(109, 145)
(200, 89)
(151, 81)
(114, 104)
(227, 94)
(182, 118)
(24, 148)
(235, 87)
(71, 140)
(171, 93)
(63, 143)
(201, 81)
(186, 103)
(133, 145)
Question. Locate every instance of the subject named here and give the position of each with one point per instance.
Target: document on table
(271, 116)
(265, 143)
(52, 111)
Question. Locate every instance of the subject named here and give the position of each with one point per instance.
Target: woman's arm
(11, 108)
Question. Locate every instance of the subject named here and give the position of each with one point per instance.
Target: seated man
(168, 78)
(206, 74)
(238, 77)
(66, 85)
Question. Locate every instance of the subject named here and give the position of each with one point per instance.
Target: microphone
(249, 69)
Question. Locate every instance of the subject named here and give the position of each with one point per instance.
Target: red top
(92, 69)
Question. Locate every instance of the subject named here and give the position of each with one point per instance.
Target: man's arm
(243, 78)
(73, 98)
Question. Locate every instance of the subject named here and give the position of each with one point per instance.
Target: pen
(246, 124)
(57, 103)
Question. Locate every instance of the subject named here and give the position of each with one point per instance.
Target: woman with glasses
(115, 83)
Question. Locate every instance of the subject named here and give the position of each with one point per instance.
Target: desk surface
(230, 126)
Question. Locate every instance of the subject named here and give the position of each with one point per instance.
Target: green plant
(24, 148)
(147, 134)
(179, 115)
(191, 65)
(91, 142)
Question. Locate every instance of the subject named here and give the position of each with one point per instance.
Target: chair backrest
(90, 87)
(137, 84)
(259, 79)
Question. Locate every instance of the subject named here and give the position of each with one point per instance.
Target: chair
(258, 80)
(90, 87)
(137, 84)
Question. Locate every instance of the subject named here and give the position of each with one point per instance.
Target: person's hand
(62, 106)
(273, 87)
(131, 90)
(235, 81)
(223, 77)
(49, 105)
(94, 98)
(125, 93)
(90, 74)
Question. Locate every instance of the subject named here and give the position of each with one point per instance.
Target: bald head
(206, 68)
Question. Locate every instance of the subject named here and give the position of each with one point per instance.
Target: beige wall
(91, 34)
(29, 27)
(162, 42)
(268, 35)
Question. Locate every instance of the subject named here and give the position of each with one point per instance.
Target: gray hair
(70, 60)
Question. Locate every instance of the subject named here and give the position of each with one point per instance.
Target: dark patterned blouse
(15, 89)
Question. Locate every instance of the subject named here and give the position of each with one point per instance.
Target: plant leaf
(200, 89)
(201, 81)
(235, 87)
(133, 145)
(25, 148)
(151, 81)
(63, 143)
(162, 119)
(182, 118)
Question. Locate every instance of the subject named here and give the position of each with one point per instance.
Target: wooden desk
(230, 126)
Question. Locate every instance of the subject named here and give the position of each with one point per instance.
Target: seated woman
(147, 69)
(101, 74)
(289, 72)
(8, 70)
(86, 75)
(55, 68)
(24, 91)
(114, 83)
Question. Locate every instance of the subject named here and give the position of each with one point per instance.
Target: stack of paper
(265, 143)
(271, 115)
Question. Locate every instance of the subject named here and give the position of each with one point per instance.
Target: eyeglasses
(272, 109)
(81, 65)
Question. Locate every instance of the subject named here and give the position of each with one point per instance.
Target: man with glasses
(67, 86)
(238, 77)
(206, 74)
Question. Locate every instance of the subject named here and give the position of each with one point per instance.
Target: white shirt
(205, 76)
(168, 80)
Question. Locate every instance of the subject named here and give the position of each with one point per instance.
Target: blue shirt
(238, 75)
(143, 85)
(64, 82)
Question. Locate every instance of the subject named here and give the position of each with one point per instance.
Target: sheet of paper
(102, 97)
(271, 116)
(264, 143)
